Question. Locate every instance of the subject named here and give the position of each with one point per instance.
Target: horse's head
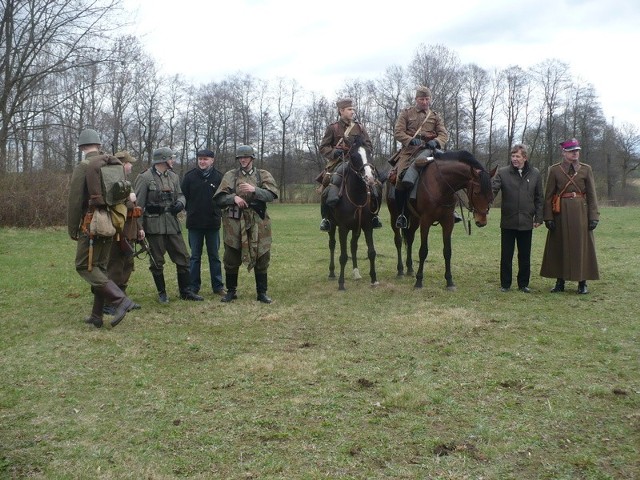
(359, 159)
(480, 195)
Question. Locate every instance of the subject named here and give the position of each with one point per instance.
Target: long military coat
(411, 121)
(332, 136)
(570, 251)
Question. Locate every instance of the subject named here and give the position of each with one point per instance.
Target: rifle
(142, 247)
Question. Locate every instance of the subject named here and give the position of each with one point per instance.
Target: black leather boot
(184, 285)
(325, 225)
(582, 287)
(231, 279)
(161, 287)
(261, 288)
(375, 222)
(95, 318)
(559, 287)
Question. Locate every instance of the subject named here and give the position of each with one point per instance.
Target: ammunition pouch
(154, 209)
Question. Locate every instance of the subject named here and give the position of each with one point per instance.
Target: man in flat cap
(333, 147)
(570, 251)
(203, 219)
(417, 128)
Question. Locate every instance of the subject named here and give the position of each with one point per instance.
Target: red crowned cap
(569, 145)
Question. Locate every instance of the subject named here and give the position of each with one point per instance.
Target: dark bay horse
(436, 198)
(354, 211)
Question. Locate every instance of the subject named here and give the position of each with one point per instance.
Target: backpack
(115, 191)
(115, 187)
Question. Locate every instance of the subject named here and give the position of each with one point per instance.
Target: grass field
(384, 382)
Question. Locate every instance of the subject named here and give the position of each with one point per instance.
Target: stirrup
(401, 221)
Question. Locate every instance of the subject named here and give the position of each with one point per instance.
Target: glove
(550, 224)
(433, 145)
(176, 208)
(415, 141)
(337, 153)
(593, 224)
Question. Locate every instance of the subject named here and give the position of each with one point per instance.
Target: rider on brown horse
(334, 147)
(418, 128)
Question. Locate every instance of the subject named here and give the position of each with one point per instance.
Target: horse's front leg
(332, 251)
(409, 237)
(397, 240)
(446, 253)
(371, 253)
(342, 234)
(423, 252)
(354, 254)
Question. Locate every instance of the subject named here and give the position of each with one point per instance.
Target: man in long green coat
(570, 250)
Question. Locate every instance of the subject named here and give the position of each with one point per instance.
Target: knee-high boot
(261, 287)
(184, 285)
(158, 279)
(231, 279)
(95, 318)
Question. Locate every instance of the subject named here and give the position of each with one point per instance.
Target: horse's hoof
(332, 275)
(356, 274)
(452, 288)
(341, 288)
(417, 285)
(375, 284)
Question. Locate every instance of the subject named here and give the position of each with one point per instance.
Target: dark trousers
(211, 238)
(508, 241)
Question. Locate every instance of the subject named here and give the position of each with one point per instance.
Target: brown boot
(112, 294)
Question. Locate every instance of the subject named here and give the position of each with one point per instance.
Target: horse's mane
(467, 157)
(462, 156)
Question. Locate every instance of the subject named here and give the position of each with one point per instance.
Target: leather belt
(573, 195)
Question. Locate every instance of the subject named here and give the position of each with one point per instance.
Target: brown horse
(354, 211)
(436, 198)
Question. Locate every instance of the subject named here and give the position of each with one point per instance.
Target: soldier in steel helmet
(159, 195)
(243, 195)
(86, 201)
(121, 262)
(333, 147)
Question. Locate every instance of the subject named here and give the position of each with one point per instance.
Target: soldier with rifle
(160, 197)
(86, 201)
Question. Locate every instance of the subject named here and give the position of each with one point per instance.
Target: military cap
(569, 145)
(125, 156)
(162, 154)
(205, 153)
(423, 91)
(344, 103)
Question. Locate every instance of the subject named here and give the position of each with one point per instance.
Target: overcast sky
(322, 44)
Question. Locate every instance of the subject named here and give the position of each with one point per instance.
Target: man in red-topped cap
(570, 251)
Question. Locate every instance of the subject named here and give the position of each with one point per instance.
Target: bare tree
(475, 85)
(286, 91)
(628, 141)
(40, 38)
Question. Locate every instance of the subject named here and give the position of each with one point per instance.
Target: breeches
(233, 259)
(120, 266)
(97, 277)
(172, 244)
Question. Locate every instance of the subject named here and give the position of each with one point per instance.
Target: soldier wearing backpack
(86, 204)
(159, 195)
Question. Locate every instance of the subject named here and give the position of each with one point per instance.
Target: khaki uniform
(247, 237)
(570, 251)
(410, 121)
(333, 135)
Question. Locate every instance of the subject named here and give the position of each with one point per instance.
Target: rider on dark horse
(418, 128)
(334, 147)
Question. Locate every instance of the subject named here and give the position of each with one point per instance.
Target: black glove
(550, 224)
(176, 208)
(337, 153)
(433, 145)
(593, 224)
(415, 141)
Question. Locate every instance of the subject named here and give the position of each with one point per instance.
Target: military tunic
(410, 121)
(85, 193)
(247, 237)
(332, 136)
(156, 191)
(570, 251)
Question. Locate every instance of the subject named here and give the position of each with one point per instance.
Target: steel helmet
(162, 154)
(245, 151)
(89, 137)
